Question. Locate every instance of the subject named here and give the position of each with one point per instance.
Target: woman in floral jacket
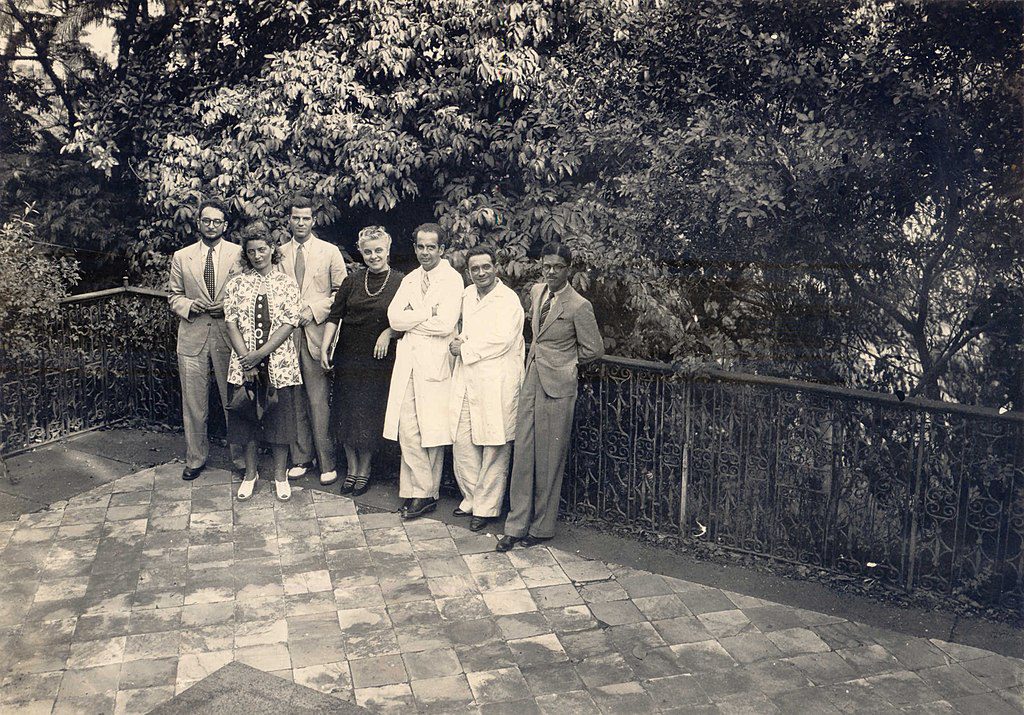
(261, 309)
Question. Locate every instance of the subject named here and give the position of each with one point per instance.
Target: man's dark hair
(557, 249)
(212, 204)
(482, 250)
(298, 201)
(442, 235)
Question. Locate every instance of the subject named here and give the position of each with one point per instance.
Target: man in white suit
(426, 309)
(318, 269)
(488, 375)
(196, 283)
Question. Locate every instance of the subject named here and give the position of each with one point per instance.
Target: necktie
(425, 283)
(209, 277)
(545, 309)
(300, 265)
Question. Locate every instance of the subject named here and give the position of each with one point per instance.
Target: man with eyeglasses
(565, 335)
(318, 269)
(196, 283)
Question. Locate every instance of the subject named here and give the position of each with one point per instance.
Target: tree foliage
(826, 190)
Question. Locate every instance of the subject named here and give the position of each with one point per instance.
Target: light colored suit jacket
(325, 271)
(568, 337)
(186, 284)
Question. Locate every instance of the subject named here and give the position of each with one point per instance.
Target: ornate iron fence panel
(918, 495)
(108, 356)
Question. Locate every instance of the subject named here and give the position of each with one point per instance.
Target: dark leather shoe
(418, 507)
(459, 512)
(361, 486)
(348, 485)
(478, 523)
(506, 543)
(190, 473)
(528, 541)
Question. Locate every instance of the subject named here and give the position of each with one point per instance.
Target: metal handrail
(849, 393)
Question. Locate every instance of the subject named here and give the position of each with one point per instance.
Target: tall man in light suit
(196, 283)
(565, 335)
(318, 270)
(485, 388)
(426, 309)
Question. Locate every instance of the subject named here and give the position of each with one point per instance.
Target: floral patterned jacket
(283, 300)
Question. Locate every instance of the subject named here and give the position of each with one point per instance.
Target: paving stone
(795, 641)
(570, 619)
(958, 651)
(142, 700)
(616, 613)
(702, 656)
(270, 657)
(658, 608)
(316, 651)
(489, 656)
(551, 678)
(328, 678)
(996, 671)
(682, 630)
(395, 698)
(556, 596)
(432, 663)
(523, 625)
(442, 695)
(586, 643)
(376, 671)
(622, 699)
(952, 681)
(805, 700)
(602, 591)
(496, 581)
(78, 682)
(824, 668)
(986, 703)
(99, 703)
(773, 618)
(575, 702)
(87, 654)
(675, 691)
(505, 603)
(776, 676)
(870, 659)
(493, 686)
(373, 643)
(476, 632)
(148, 673)
(750, 647)
(901, 688)
(605, 669)
(537, 650)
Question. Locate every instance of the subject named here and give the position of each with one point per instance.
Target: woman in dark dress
(363, 357)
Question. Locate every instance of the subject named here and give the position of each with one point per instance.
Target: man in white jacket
(489, 370)
(425, 309)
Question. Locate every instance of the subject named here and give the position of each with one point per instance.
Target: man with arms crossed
(196, 283)
(425, 309)
(485, 388)
(565, 335)
(318, 269)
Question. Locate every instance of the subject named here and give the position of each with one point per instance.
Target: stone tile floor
(123, 596)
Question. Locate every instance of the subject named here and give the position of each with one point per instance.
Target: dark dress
(361, 381)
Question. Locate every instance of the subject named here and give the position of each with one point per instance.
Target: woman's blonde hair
(373, 233)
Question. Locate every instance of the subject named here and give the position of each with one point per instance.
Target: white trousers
(420, 476)
(481, 471)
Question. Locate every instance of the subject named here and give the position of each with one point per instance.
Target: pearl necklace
(366, 283)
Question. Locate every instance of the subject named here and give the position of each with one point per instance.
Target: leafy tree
(32, 283)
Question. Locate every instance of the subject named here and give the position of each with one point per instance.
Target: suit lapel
(556, 310)
(197, 264)
(223, 266)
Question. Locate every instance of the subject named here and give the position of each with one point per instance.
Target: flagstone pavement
(122, 597)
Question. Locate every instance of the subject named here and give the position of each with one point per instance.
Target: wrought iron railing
(110, 355)
(917, 494)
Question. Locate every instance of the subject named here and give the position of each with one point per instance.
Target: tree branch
(46, 63)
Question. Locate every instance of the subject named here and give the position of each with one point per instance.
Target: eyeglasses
(212, 222)
(552, 267)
